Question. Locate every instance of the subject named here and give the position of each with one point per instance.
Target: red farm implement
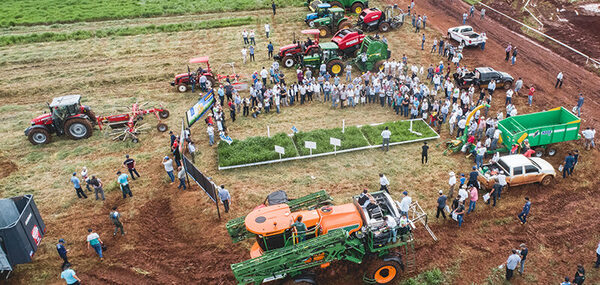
(129, 125)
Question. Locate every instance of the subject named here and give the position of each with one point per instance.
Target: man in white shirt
(509, 94)
(267, 29)
(462, 124)
(405, 204)
(263, 75)
(511, 263)
(384, 183)
(391, 225)
(588, 135)
(502, 181)
(386, 134)
(463, 194)
(481, 150)
(452, 183)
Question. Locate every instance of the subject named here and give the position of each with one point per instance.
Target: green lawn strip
(125, 31)
(351, 138)
(399, 131)
(33, 12)
(254, 149)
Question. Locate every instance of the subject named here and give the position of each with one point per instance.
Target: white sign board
(311, 145)
(335, 142)
(279, 149)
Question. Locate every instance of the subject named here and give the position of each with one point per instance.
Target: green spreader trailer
(541, 129)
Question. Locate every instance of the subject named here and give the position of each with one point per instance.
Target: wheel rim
(385, 274)
(551, 152)
(182, 88)
(39, 138)
(538, 154)
(78, 130)
(322, 32)
(335, 69)
(311, 24)
(289, 62)
(162, 128)
(358, 10)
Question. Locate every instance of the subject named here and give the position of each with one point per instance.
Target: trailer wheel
(357, 8)
(135, 140)
(551, 151)
(288, 61)
(307, 278)
(163, 114)
(38, 136)
(539, 152)
(383, 272)
(210, 82)
(78, 128)
(182, 88)
(311, 23)
(547, 180)
(162, 127)
(384, 27)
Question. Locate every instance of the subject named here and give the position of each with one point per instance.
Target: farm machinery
(334, 233)
(372, 54)
(355, 6)
(373, 19)
(129, 126)
(184, 81)
(332, 23)
(321, 11)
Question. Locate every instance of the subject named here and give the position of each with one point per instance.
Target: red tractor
(291, 54)
(184, 81)
(67, 117)
(373, 19)
(348, 41)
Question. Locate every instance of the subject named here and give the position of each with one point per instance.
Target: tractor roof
(324, 5)
(67, 100)
(328, 45)
(201, 59)
(336, 10)
(275, 219)
(311, 32)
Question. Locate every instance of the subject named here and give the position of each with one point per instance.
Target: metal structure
(354, 6)
(321, 10)
(129, 125)
(332, 23)
(373, 19)
(372, 54)
(184, 81)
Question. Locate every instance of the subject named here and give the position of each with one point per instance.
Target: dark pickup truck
(482, 76)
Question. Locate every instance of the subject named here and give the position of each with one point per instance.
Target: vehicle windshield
(504, 167)
(534, 163)
(343, 33)
(467, 30)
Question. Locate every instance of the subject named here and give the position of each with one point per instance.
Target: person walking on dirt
(122, 180)
(270, 50)
(579, 275)
(69, 275)
(518, 85)
(507, 50)
(472, 10)
(211, 134)
(423, 42)
(569, 164)
(441, 201)
(473, 177)
(384, 183)
(464, 18)
(482, 13)
(494, 193)
(459, 212)
(559, 80)
(130, 164)
(115, 218)
(424, 149)
(424, 21)
(597, 256)
(181, 177)
(224, 197)
(523, 252)
(589, 134)
(94, 241)
(474, 193)
(252, 38)
(251, 51)
(62, 252)
(530, 95)
(85, 177)
(579, 104)
(245, 37)
(244, 54)
(405, 204)
(514, 55)
(267, 29)
(77, 186)
(97, 184)
(511, 264)
(385, 135)
(452, 183)
(274, 7)
(168, 164)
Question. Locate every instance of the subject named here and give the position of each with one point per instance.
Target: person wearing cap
(168, 164)
(463, 194)
(130, 164)
(122, 180)
(77, 186)
(62, 252)
(85, 177)
(94, 241)
(525, 212)
(384, 183)
(523, 252)
(452, 183)
(405, 204)
(473, 177)
(441, 201)
(424, 150)
(474, 193)
(224, 197)
(566, 282)
(69, 275)
(511, 263)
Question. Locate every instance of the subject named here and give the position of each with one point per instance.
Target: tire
(38, 136)
(337, 4)
(383, 272)
(324, 31)
(357, 8)
(289, 61)
(135, 140)
(546, 180)
(378, 66)
(507, 85)
(335, 67)
(311, 23)
(92, 116)
(182, 88)
(539, 152)
(210, 82)
(384, 27)
(551, 151)
(78, 128)
(162, 127)
(163, 114)
(344, 24)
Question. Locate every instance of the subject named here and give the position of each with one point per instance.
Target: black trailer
(21, 231)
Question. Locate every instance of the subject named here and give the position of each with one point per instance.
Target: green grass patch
(124, 31)
(399, 131)
(351, 138)
(429, 277)
(32, 12)
(255, 149)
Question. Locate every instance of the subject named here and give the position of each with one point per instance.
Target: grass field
(351, 138)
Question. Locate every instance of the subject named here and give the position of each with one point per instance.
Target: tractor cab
(372, 54)
(333, 22)
(348, 41)
(321, 10)
(184, 80)
(328, 52)
(65, 106)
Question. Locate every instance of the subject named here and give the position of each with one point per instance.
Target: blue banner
(200, 108)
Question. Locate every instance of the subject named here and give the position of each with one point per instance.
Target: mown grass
(124, 31)
(255, 149)
(430, 277)
(399, 131)
(351, 138)
(32, 12)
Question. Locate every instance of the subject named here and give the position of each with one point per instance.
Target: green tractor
(372, 54)
(329, 55)
(355, 6)
(332, 23)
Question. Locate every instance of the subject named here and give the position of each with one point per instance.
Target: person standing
(482, 13)
(224, 197)
(252, 38)
(579, 275)
(251, 52)
(579, 104)
(115, 218)
(97, 184)
(384, 183)
(130, 164)
(507, 51)
(69, 275)
(514, 55)
(192, 151)
(518, 85)
(273, 7)
(589, 134)
(210, 130)
(523, 215)
(566, 282)
(474, 193)
(244, 54)
(85, 177)
(181, 177)
(502, 181)
(569, 163)
(494, 193)
(530, 95)
(441, 201)
(472, 10)
(122, 180)
(385, 135)
(94, 241)
(270, 50)
(62, 252)
(460, 212)
(452, 183)
(267, 29)
(523, 252)
(423, 42)
(77, 186)
(300, 228)
(511, 264)
(464, 18)
(424, 150)
(559, 80)
(405, 204)
(168, 164)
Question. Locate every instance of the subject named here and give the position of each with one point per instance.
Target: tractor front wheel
(383, 272)
(163, 114)
(344, 24)
(384, 27)
(324, 31)
(335, 67)
(182, 88)
(379, 66)
(311, 23)
(289, 61)
(162, 127)
(38, 136)
(336, 4)
(78, 128)
(357, 8)
(210, 82)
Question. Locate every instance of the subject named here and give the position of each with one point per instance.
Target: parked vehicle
(466, 36)
(332, 23)
(519, 170)
(482, 76)
(183, 81)
(372, 54)
(373, 19)
(67, 117)
(355, 6)
(322, 10)
(292, 54)
(348, 41)
(328, 54)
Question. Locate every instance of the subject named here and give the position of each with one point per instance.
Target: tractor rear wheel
(289, 61)
(379, 66)
(335, 67)
(383, 272)
(162, 127)
(336, 4)
(38, 136)
(163, 114)
(210, 82)
(182, 88)
(324, 31)
(357, 8)
(384, 27)
(344, 24)
(78, 128)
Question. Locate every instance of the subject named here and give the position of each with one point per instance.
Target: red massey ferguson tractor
(373, 19)
(67, 117)
(184, 81)
(291, 54)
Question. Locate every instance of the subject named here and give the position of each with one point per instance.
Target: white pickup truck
(466, 36)
(519, 170)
